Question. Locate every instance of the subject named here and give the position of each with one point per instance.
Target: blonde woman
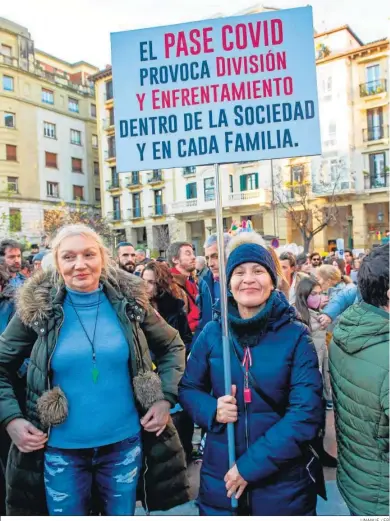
(94, 410)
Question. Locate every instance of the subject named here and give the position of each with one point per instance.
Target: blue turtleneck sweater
(100, 413)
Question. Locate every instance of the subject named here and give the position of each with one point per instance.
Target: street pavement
(335, 505)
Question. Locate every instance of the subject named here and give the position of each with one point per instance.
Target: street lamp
(350, 239)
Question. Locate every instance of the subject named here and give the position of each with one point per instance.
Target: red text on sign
(195, 42)
(253, 35)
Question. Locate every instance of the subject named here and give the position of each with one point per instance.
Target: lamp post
(350, 239)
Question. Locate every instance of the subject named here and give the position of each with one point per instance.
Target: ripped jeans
(111, 472)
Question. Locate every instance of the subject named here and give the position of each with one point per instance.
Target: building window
(209, 192)
(73, 105)
(6, 50)
(15, 220)
(95, 168)
(158, 204)
(373, 73)
(52, 189)
(375, 124)
(249, 182)
(75, 137)
(377, 164)
(93, 110)
(111, 120)
(97, 195)
(11, 152)
(9, 119)
(137, 205)
(191, 191)
(94, 141)
(49, 130)
(51, 160)
(78, 192)
(8, 83)
(116, 207)
(111, 146)
(13, 184)
(231, 183)
(48, 96)
(334, 170)
(109, 92)
(77, 165)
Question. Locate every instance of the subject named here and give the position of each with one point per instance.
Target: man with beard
(182, 261)
(126, 256)
(12, 252)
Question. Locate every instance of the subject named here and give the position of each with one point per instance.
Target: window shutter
(243, 183)
(256, 181)
(188, 191)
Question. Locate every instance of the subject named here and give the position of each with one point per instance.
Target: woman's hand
(324, 320)
(227, 408)
(157, 417)
(26, 437)
(235, 483)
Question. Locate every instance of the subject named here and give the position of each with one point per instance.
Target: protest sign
(216, 91)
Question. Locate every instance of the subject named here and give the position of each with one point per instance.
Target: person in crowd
(34, 250)
(182, 261)
(166, 297)
(126, 256)
(340, 264)
(275, 401)
(303, 264)
(139, 269)
(88, 328)
(288, 263)
(37, 260)
(47, 261)
(282, 284)
(359, 368)
(209, 289)
(315, 259)
(348, 257)
(26, 269)
(355, 270)
(201, 268)
(12, 252)
(309, 302)
(140, 256)
(163, 260)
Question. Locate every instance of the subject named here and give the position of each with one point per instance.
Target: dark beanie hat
(251, 253)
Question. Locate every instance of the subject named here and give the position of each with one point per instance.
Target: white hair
(213, 239)
(48, 261)
(73, 230)
(201, 260)
(245, 238)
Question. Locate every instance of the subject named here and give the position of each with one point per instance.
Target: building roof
(102, 74)
(76, 64)
(357, 51)
(341, 28)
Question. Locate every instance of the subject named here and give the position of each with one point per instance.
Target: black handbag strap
(280, 410)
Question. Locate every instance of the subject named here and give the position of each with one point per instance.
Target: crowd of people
(108, 362)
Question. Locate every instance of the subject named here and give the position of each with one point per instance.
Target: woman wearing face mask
(308, 303)
(275, 402)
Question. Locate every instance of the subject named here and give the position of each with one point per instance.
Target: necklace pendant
(95, 374)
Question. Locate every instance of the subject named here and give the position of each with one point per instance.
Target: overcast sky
(80, 29)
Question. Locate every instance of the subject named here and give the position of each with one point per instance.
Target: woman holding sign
(275, 401)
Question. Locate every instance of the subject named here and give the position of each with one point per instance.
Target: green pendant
(95, 374)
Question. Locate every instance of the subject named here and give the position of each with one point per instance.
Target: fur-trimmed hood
(35, 299)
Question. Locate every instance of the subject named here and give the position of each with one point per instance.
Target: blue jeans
(112, 471)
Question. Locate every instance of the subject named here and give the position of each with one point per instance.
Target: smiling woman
(92, 398)
(275, 400)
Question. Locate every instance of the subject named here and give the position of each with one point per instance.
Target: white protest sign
(216, 91)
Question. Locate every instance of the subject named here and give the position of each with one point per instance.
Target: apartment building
(48, 136)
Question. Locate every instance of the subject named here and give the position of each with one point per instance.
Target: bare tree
(297, 198)
(165, 234)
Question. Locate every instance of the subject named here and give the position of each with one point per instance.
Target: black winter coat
(173, 312)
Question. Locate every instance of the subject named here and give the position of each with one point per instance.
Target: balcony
(248, 197)
(110, 154)
(157, 210)
(156, 177)
(371, 88)
(108, 96)
(188, 205)
(135, 213)
(108, 124)
(375, 133)
(114, 184)
(115, 216)
(189, 170)
(134, 180)
(377, 182)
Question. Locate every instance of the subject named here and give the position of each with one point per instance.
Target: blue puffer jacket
(341, 300)
(268, 448)
(205, 303)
